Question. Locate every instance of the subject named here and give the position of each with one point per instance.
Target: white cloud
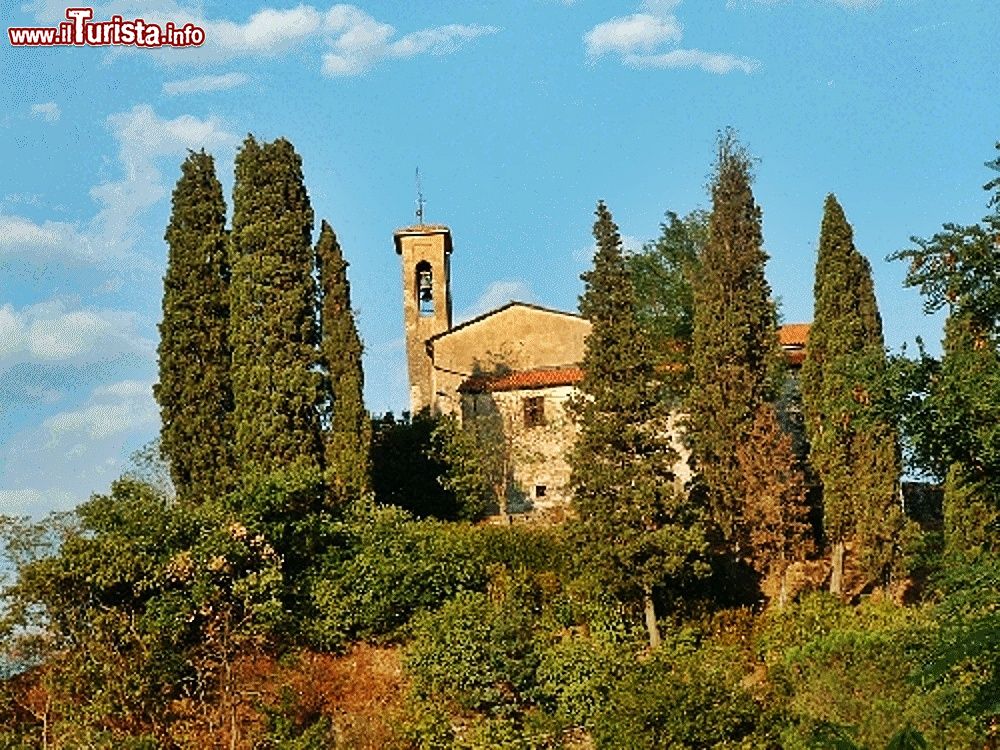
(114, 409)
(638, 41)
(268, 32)
(51, 332)
(49, 111)
(359, 42)
(710, 62)
(43, 242)
(628, 34)
(74, 452)
(202, 84)
(143, 138)
(496, 295)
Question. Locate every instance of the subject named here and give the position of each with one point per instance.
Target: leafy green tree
(408, 466)
(637, 527)
(957, 267)
(78, 611)
(853, 452)
(194, 391)
(964, 663)
(385, 568)
(476, 463)
(347, 438)
(133, 602)
(952, 409)
(815, 647)
(683, 697)
(735, 349)
(276, 383)
(663, 274)
(478, 652)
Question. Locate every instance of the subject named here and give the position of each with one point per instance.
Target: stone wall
(539, 452)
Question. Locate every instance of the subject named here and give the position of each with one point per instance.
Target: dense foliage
(951, 408)
(853, 452)
(276, 383)
(194, 391)
(734, 343)
(347, 436)
(663, 277)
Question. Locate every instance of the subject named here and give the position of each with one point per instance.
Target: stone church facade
(518, 365)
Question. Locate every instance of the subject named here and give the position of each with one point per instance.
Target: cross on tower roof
(420, 200)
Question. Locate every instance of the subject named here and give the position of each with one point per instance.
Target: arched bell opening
(425, 288)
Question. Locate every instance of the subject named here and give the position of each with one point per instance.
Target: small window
(534, 411)
(539, 490)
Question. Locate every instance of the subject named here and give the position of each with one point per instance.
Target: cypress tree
(194, 390)
(347, 437)
(775, 507)
(854, 454)
(276, 385)
(638, 530)
(735, 353)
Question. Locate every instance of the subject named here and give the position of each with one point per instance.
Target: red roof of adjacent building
(549, 377)
(793, 334)
(793, 337)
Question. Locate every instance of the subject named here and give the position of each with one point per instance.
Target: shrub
(389, 568)
(682, 697)
(478, 652)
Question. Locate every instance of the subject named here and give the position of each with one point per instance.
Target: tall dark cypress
(194, 390)
(855, 457)
(734, 354)
(276, 382)
(639, 530)
(347, 434)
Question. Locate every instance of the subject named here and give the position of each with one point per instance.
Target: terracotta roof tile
(793, 334)
(523, 380)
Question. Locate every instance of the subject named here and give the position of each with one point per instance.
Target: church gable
(517, 336)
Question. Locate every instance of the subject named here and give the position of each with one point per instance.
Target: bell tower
(425, 250)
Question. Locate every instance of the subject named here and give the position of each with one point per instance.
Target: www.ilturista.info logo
(79, 31)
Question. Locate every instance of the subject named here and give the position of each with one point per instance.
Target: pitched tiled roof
(793, 334)
(549, 377)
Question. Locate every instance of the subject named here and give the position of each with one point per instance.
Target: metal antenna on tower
(420, 200)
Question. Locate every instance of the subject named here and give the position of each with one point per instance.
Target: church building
(518, 364)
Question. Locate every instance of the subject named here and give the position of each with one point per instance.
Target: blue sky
(520, 115)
